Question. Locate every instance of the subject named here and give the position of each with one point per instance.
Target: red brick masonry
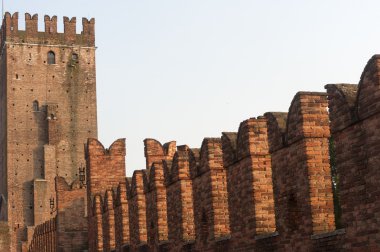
(266, 187)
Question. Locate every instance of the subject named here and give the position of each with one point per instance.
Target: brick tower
(48, 110)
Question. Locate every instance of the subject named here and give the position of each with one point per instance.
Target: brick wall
(108, 171)
(154, 151)
(72, 223)
(248, 164)
(301, 172)
(355, 122)
(267, 187)
(137, 210)
(157, 211)
(210, 195)
(180, 200)
(68, 230)
(122, 230)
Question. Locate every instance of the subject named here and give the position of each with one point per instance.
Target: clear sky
(184, 70)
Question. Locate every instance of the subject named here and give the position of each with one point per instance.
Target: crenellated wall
(355, 116)
(301, 172)
(157, 210)
(103, 182)
(49, 36)
(266, 187)
(154, 151)
(180, 201)
(210, 195)
(250, 191)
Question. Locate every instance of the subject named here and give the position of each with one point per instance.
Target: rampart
(267, 187)
(50, 35)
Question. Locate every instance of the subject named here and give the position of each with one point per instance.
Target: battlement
(179, 167)
(155, 151)
(111, 160)
(10, 31)
(266, 187)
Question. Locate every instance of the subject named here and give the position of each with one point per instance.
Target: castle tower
(47, 112)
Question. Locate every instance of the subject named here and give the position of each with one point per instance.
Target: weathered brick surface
(61, 233)
(156, 152)
(72, 224)
(157, 215)
(101, 177)
(222, 198)
(50, 36)
(357, 157)
(108, 222)
(48, 111)
(137, 210)
(210, 195)
(95, 225)
(108, 171)
(180, 199)
(122, 230)
(265, 188)
(250, 190)
(301, 173)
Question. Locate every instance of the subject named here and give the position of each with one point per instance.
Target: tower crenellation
(50, 35)
(50, 24)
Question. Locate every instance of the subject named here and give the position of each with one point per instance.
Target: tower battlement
(10, 31)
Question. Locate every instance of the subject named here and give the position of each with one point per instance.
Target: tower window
(35, 106)
(51, 58)
(74, 56)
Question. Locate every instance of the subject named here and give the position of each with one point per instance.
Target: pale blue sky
(183, 70)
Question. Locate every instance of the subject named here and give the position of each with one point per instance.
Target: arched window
(35, 106)
(51, 58)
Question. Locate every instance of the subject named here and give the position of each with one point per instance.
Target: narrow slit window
(335, 185)
(51, 58)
